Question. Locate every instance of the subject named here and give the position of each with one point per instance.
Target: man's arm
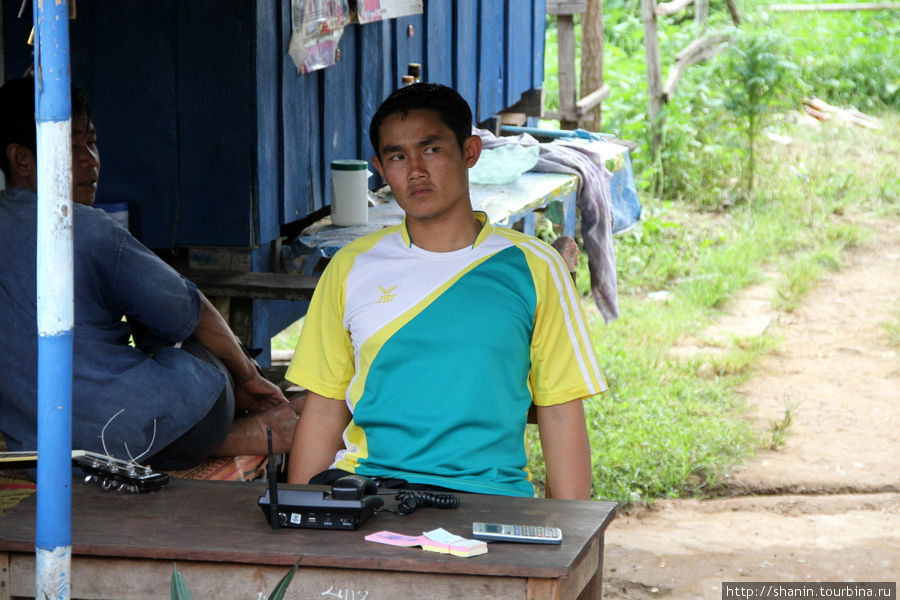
(252, 390)
(317, 437)
(567, 452)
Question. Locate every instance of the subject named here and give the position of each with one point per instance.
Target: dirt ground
(824, 506)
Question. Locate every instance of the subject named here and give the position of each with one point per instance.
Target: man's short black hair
(17, 115)
(16, 118)
(453, 110)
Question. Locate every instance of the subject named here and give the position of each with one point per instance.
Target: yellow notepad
(436, 540)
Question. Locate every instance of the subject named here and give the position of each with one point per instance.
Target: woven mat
(229, 468)
(13, 491)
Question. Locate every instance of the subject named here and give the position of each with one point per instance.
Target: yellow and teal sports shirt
(439, 355)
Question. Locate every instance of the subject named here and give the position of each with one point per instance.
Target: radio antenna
(272, 472)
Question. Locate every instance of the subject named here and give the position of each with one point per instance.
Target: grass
(778, 430)
(742, 358)
(670, 427)
(892, 330)
(800, 276)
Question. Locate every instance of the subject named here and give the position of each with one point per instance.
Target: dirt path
(825, 506)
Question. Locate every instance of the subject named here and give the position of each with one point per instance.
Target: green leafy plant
(179, 587)
(759, 79)
(841, 58)
(778, 429)
(180, 591)
(843, 55)
(892, 329)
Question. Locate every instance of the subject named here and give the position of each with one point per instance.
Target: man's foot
(248, 432)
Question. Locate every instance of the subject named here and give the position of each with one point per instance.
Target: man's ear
(22, 164)
(377, 164)
(472, 150)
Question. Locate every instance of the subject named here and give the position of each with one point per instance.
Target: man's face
(422, 162)
(85, 160)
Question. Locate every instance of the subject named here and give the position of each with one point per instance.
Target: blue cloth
(626, 206)
(114, 276)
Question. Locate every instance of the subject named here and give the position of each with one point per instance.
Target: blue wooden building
(218, 145)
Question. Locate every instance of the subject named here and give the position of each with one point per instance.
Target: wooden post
(654, 84)
(701, 12)
(565, 44)
(592, 39)
(732, 9)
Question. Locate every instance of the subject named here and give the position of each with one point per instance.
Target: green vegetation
(669, 425)
(779, 429)
(760, 81)
(845, 58)
(179, 589)
(892, 329)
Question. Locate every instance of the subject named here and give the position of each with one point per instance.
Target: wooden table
(124, 546)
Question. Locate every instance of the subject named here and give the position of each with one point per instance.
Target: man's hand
(257, 393)
(567, 451)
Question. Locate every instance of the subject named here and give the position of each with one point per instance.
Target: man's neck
(444, 234)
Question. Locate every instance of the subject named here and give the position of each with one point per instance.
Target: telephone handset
(353, 487)
(346, 504)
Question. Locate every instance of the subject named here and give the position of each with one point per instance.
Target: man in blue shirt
(172, 398)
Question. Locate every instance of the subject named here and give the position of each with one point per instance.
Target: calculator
(529, 534)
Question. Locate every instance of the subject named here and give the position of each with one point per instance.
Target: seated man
(427, 342)
(173, 402)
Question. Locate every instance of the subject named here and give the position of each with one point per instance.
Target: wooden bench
(233, 293)
(267, 286)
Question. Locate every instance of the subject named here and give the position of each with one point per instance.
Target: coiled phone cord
(410, 500)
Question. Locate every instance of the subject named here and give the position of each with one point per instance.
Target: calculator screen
(493, 528)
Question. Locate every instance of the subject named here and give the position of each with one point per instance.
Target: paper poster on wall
(369, 11)
(316, 29)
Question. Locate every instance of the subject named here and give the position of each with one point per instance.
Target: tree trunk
(654, 79)
(565, 49)
(592, 40)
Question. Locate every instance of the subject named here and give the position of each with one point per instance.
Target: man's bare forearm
(213, 332)
(567, 451)
(317, 437)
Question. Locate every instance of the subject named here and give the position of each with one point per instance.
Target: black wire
(410, 500)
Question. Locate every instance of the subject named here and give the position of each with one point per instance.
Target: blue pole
(55, 304)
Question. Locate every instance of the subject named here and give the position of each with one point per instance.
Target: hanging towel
(594, 203)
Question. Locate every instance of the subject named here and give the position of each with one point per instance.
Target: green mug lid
(349, 164)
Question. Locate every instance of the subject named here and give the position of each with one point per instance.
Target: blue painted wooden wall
(209, 133)
(215, 140)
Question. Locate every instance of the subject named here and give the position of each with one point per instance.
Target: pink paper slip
(436, 540)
